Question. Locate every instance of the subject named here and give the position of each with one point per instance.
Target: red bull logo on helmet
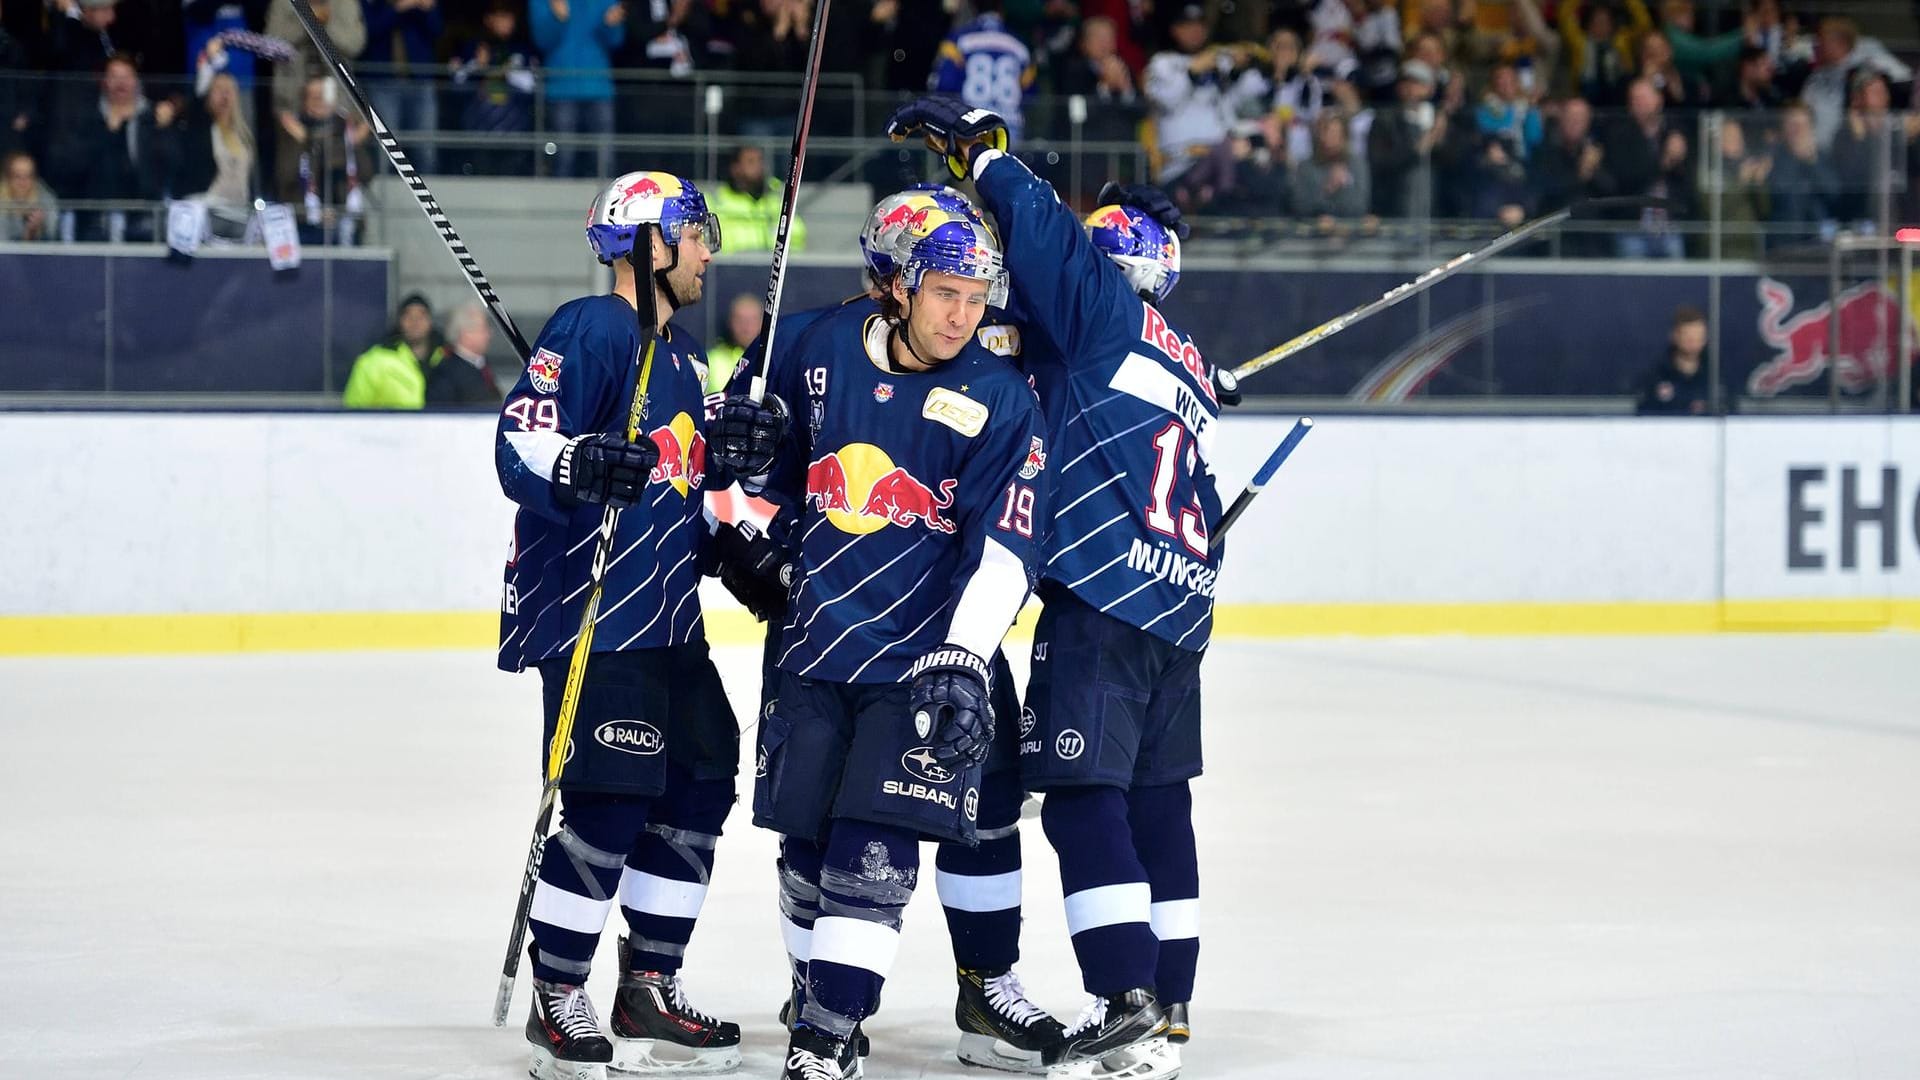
(652, 186)
(861, 490)
(1867, 317)
(1111, 217)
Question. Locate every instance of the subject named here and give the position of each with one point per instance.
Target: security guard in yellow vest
(748, 205)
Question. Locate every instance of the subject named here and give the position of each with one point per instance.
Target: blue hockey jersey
(919, 500)
(1131, 415)
(988, 67)
(579, 381)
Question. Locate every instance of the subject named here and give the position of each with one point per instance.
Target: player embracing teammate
(1111, 733)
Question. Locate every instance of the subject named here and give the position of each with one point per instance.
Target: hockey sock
(1108, 900)
(1162, 820)
(579, 873)
(980, 887)
(865, 883)
(665, 879)
(799, 869)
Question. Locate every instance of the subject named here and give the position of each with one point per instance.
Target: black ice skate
(565, 1033)
(1122, 1037)
(656, 1030)
(1000, 1028)
(815, 1055)
(1178, 1030)
(851, 1066)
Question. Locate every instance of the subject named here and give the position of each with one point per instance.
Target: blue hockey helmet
(905, 216)
(647, 198)
(1145, 250)
(962, 247)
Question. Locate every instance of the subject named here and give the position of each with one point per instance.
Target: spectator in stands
(213, 157)
(204, 21)
(1401, 144)
(748, 204)
(1786, 44)
(393, 373)
(1500, 191)
(1838, 51)
(1259, 188)
(984, 63)
(1647, 156)
(1571, 166)
(745, 318)
(1679, 384)
(1702, 60)
(114, 154)
(1506, 109)
(1456, 23)
(497, 75)
(1752, 91)
(345, 24)
(1533, 49)
(457, 375)
(1096, 72)
(1133, 30)
(401, 37)
(1294, 91)
(675, 36)
(576, 39)
(1332, 183)
(1870, 150)
(78, 43)
(1599, 51)
(1743, 173)
(28, 211)
(779, 38)
(1657, 67)
(1195, 90)
(1801, 183)
(324, 163)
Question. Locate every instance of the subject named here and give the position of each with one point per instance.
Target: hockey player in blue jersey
(920, 455)
(649, 773)
(987, 66)
(979, 885)
(1127, 584)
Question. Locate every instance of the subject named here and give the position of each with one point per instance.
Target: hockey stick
(648, 313)
(1274, 461)
(415, 184)
(1434, 277)
(777, 272)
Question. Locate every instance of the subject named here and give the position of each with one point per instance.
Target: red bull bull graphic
(683, 454)
(543, 371)
(1868, 319)
(1111, 217)
(861, 490)
(908, 215)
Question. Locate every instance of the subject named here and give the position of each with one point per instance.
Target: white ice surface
(1472, 859)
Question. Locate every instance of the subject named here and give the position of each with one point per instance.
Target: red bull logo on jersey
(861, 490)
(1868, 320)
(683, 454)
(1036, 460)
(1155, 332)
(543, 371)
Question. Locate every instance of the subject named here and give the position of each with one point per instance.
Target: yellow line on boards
(51, 635)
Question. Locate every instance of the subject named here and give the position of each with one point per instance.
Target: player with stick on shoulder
(648, 774)
(913, 463)
(1127, 581)
(979, 884)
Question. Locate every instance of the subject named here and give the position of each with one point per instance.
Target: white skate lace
(1090, 1017)
(811, 1066)
(677, 991)
(1007, 995)
(573, 1012)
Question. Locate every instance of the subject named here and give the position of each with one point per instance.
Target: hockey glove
(953, 129)
(1147, 199)
(755, 568)
(745, 434)
(949, 705)
(604, 469)
(1226, 386)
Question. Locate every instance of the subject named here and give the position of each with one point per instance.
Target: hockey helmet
(647, 198)
(1147, 252)
(905, 216)
(962, 247)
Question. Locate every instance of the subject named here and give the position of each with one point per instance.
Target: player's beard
(927, 347)
(684, 286)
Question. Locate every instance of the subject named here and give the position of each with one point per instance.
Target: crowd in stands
(1337, 113)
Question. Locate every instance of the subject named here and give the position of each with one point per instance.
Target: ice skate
(1178, 1030)
(656, 1030)
(1000, 1028)
(1122, 1037)
(815, 1055)
(565, 1035)
(852, 1065)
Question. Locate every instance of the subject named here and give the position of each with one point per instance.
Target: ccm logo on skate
(1069, 745)
(630, 737)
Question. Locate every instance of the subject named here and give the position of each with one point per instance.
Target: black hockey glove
(745, 434)
(605, 469)
(755, 568)
(949, 705)
(1147, 199)
(953, 129)
(1226, 386)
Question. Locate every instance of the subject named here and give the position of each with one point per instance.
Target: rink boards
(181, 533)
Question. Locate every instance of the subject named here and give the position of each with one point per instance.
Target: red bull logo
(908, 215)
(861, 490)
(1868, 320)
(543, 371)
(1036, 460)
(644, 188)
(683, 454)
(1111, 217)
